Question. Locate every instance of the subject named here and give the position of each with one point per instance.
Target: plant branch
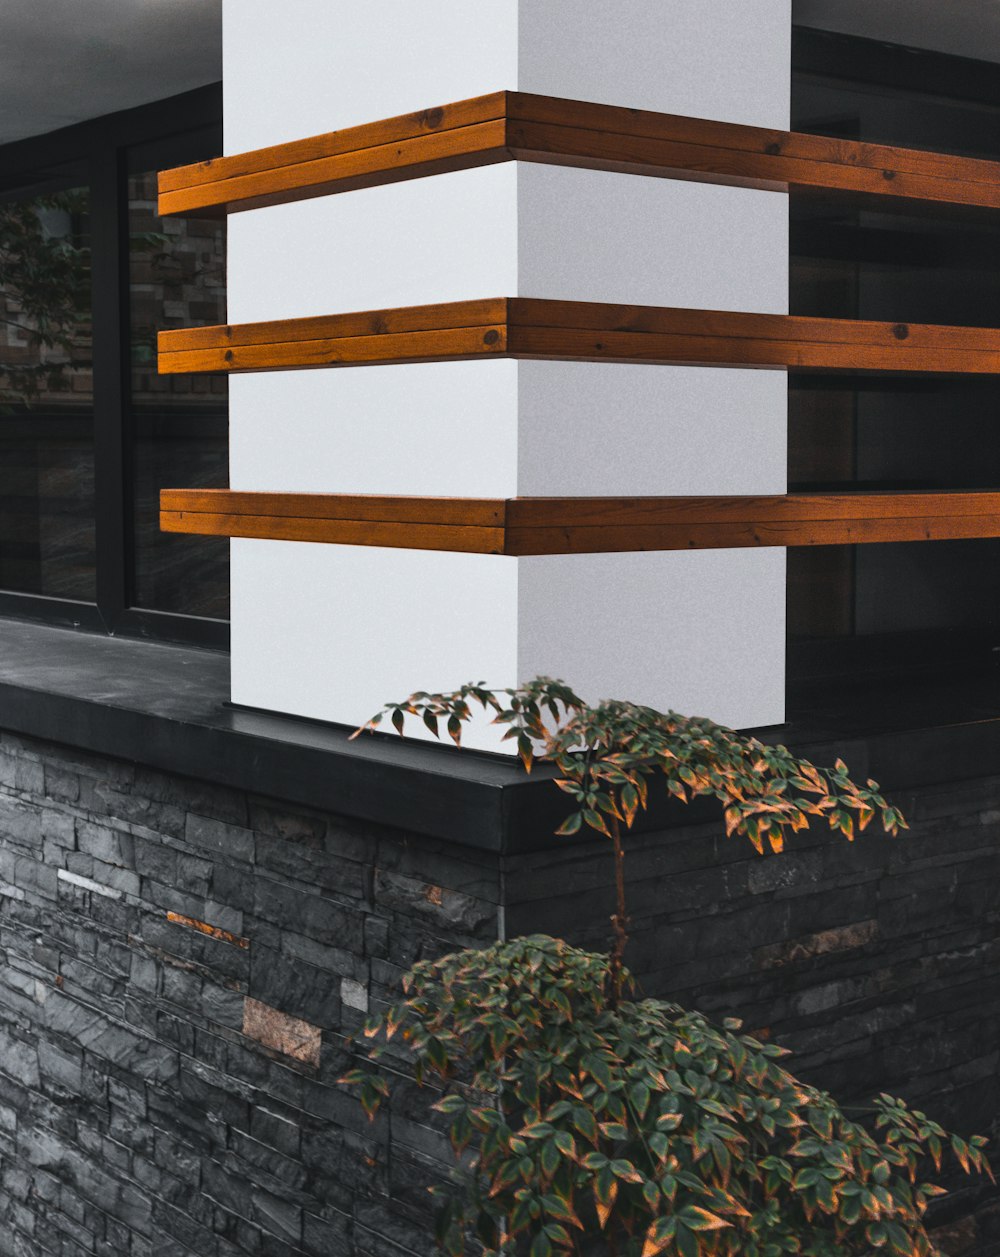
(619, 922)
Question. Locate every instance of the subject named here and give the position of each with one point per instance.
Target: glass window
(178, 423)
(47, 543)
(905, 606)
(89, 432)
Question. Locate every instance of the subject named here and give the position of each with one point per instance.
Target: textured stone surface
(143, 1113)
(179, 965)
(289, 1035)
(874, 961)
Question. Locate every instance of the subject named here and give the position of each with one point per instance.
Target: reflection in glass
(46, 397)
(179, 423)
(894, 433)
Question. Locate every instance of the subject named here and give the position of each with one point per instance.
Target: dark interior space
(919, 623)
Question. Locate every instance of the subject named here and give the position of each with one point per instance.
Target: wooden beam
(585, 332)
(526, 526)
(507, 126)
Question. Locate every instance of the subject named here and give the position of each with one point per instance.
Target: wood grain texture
(527, 526)
(582, 331)
(506, 126)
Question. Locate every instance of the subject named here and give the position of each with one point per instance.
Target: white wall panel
(596, 235)
(452, 237)
(434, 428)
(309, 66)
(513, 230)
(301, 67)
(606, 428)
(699, 631)
(707, 58)
(333, 632)
(505, 428)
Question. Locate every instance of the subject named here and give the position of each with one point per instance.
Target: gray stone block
(232, 841)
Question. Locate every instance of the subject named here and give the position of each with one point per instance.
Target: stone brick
(444, 906)
(159, 817)
(20, 822)
(297, 988)
(232, 841)
(289, 1035)
(61, 784)
(354, 994)
(839, 939)
(111, 846)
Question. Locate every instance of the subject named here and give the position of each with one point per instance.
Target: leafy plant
(585, 1121)
(607, 756)
(642, 1129)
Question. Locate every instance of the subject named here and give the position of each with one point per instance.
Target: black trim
(166, 707)
(101, 153)
(110, 353)
(190, 111)
(829, 54)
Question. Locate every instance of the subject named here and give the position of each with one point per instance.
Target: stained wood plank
(345, 532)
(583, 331)
(469, 512)
(458, 343)
(462, 149)
(519, 126)
(787, 508)
(745, 534)
(450, 314)
(438, 120)
(535, 526)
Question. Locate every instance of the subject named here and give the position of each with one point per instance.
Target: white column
(332, 631)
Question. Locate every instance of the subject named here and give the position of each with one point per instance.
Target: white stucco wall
(330, 631)
(317, 65)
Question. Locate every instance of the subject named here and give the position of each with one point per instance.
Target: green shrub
(643, 1126)
(587, 1122)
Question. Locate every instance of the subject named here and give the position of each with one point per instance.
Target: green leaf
(564, 1141)
(571, 825)
(699, 1219)
(626, 1171)
(550, 1157)
(640, 1094)
(542, 1246)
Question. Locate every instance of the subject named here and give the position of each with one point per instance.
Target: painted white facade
(318, 65)
(332, 632)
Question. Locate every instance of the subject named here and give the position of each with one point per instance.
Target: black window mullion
(110, 345)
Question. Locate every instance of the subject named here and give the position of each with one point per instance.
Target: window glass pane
(46, 396)
(895, 432)
(179, 423)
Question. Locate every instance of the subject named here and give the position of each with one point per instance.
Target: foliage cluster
(587, 1121)
(642, 1127)
(607, 755)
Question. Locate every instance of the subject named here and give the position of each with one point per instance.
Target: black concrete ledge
(167, 707)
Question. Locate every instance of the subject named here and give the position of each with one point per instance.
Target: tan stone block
(288, 1035)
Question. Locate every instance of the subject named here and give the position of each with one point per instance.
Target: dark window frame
(917, 656)
(108, 149)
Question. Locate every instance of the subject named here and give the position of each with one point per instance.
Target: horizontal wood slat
(527, 526)
(507, 126)
(582, 331)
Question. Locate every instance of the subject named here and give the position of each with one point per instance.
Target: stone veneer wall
(146, 923)
(178, 963)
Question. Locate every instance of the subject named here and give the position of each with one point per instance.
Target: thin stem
(619, 922)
